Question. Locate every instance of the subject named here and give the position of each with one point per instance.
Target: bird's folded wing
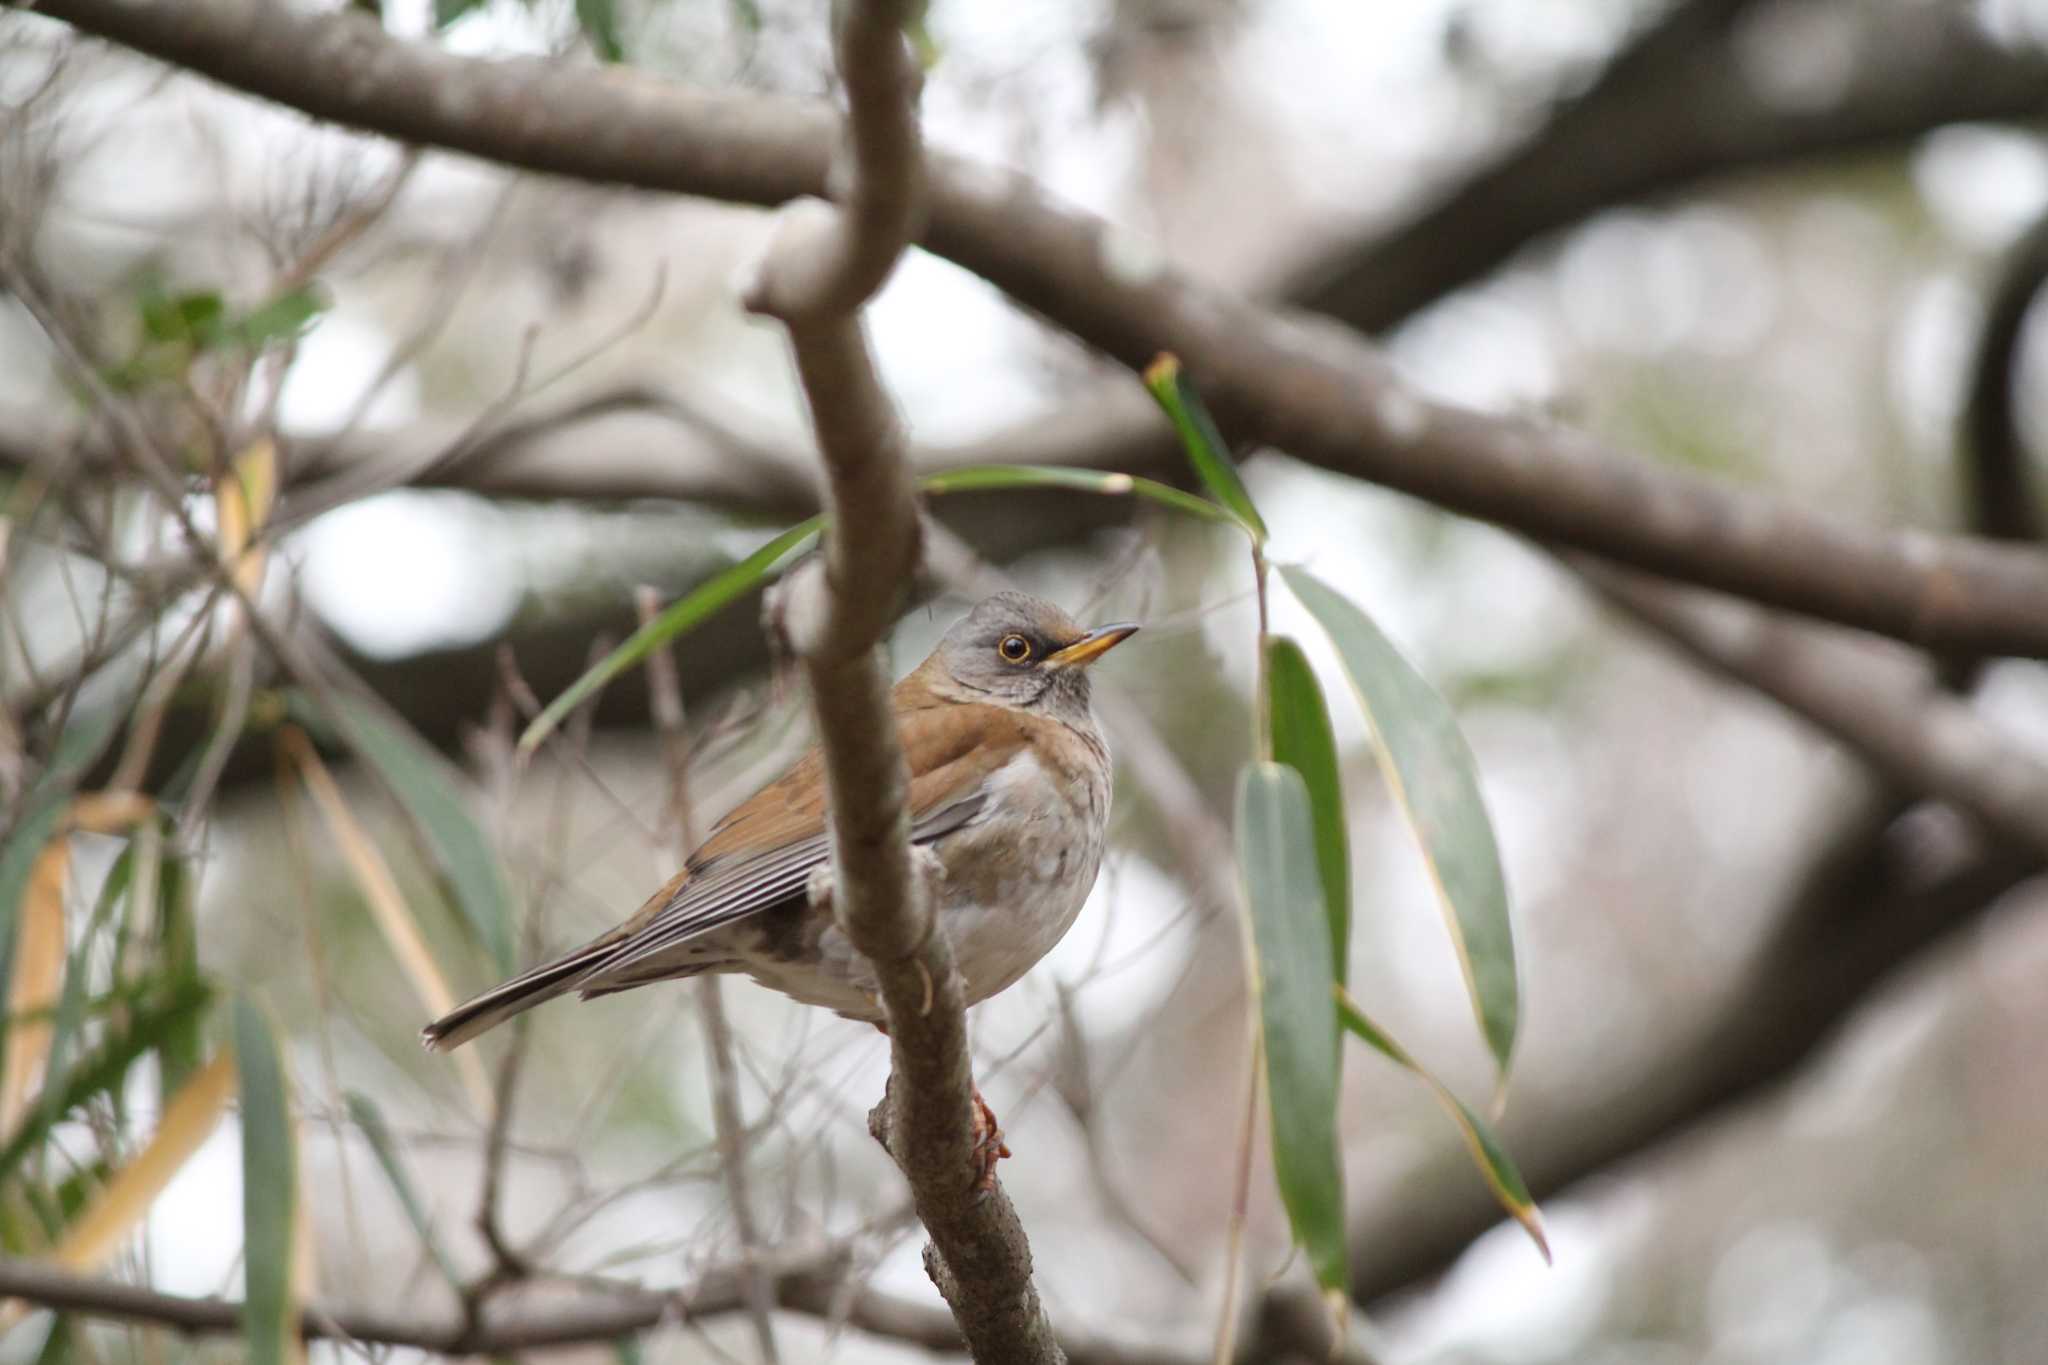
(762, 854)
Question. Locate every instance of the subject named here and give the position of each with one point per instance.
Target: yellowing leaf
(242, 501)
(123, 1200)
(110, 812)
(38, 977)
(1489, 1154)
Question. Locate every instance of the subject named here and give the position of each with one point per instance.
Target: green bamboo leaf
(1432, 773)
(430, 791)
(270, 1190)
(180, 1043)
(1205, 445)
(682, 615)
(1003, 477)
(365, 1115)
(1299, 726)
(147, 1017)
(1277, 853)
(1488, 1153)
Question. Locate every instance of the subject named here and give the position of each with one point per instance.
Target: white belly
(1016, 879)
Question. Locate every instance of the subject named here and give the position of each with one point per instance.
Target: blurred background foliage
(470, 375)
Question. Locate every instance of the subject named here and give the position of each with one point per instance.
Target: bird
(1008, 799)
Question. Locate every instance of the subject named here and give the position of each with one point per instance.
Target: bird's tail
(516, 996)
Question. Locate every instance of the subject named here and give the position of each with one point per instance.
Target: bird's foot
(988, 1148)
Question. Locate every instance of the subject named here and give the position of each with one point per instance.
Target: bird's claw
(988, 1149)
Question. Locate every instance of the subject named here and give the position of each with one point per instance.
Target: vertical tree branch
(821, 265)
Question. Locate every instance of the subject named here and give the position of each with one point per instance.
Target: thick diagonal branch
(1275, 376)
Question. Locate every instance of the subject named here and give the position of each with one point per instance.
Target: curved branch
(1886, 708)
(1284, 379)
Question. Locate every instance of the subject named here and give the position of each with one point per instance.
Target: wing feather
(724, 882)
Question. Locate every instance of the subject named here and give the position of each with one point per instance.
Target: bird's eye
(1015, 648)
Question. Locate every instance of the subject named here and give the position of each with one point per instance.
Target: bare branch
(1882, 704)
(1308, 388)
(813, 1285)
(821, 265)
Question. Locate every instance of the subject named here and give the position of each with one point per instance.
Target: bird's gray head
(1017, 650)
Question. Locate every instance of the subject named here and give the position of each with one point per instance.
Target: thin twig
(665, 696)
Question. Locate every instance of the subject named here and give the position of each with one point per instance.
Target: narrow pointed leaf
(1204, 443)
(1431, 771)
(370, 1120)
(1488, 1153)
(387, 905)
(1004, 477)
(1299, 724)
(37, 981)
(270, 1191)
(430, 790)
(1290, 931)
(179, 1044)
(126, 1197)
(680, 616)
(142, 1024)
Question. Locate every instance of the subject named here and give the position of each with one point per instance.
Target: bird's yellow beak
(1092, 646)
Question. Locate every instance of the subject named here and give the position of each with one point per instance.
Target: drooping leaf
(387, 905)
(1431, 771)
(366, 1116)
(1290, 930)
(599, 20)
(680, 616)
(1488, 1152)
(1007, 477)
(1206, 448)
(1303, 740)
(430, 792)
(126, 1197)
(270, 1191)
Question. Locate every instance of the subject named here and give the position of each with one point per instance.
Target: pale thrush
(1009, 791)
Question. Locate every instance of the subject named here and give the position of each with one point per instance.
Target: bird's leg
(988, 1146)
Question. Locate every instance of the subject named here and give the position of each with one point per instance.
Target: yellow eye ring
(1014, 648)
